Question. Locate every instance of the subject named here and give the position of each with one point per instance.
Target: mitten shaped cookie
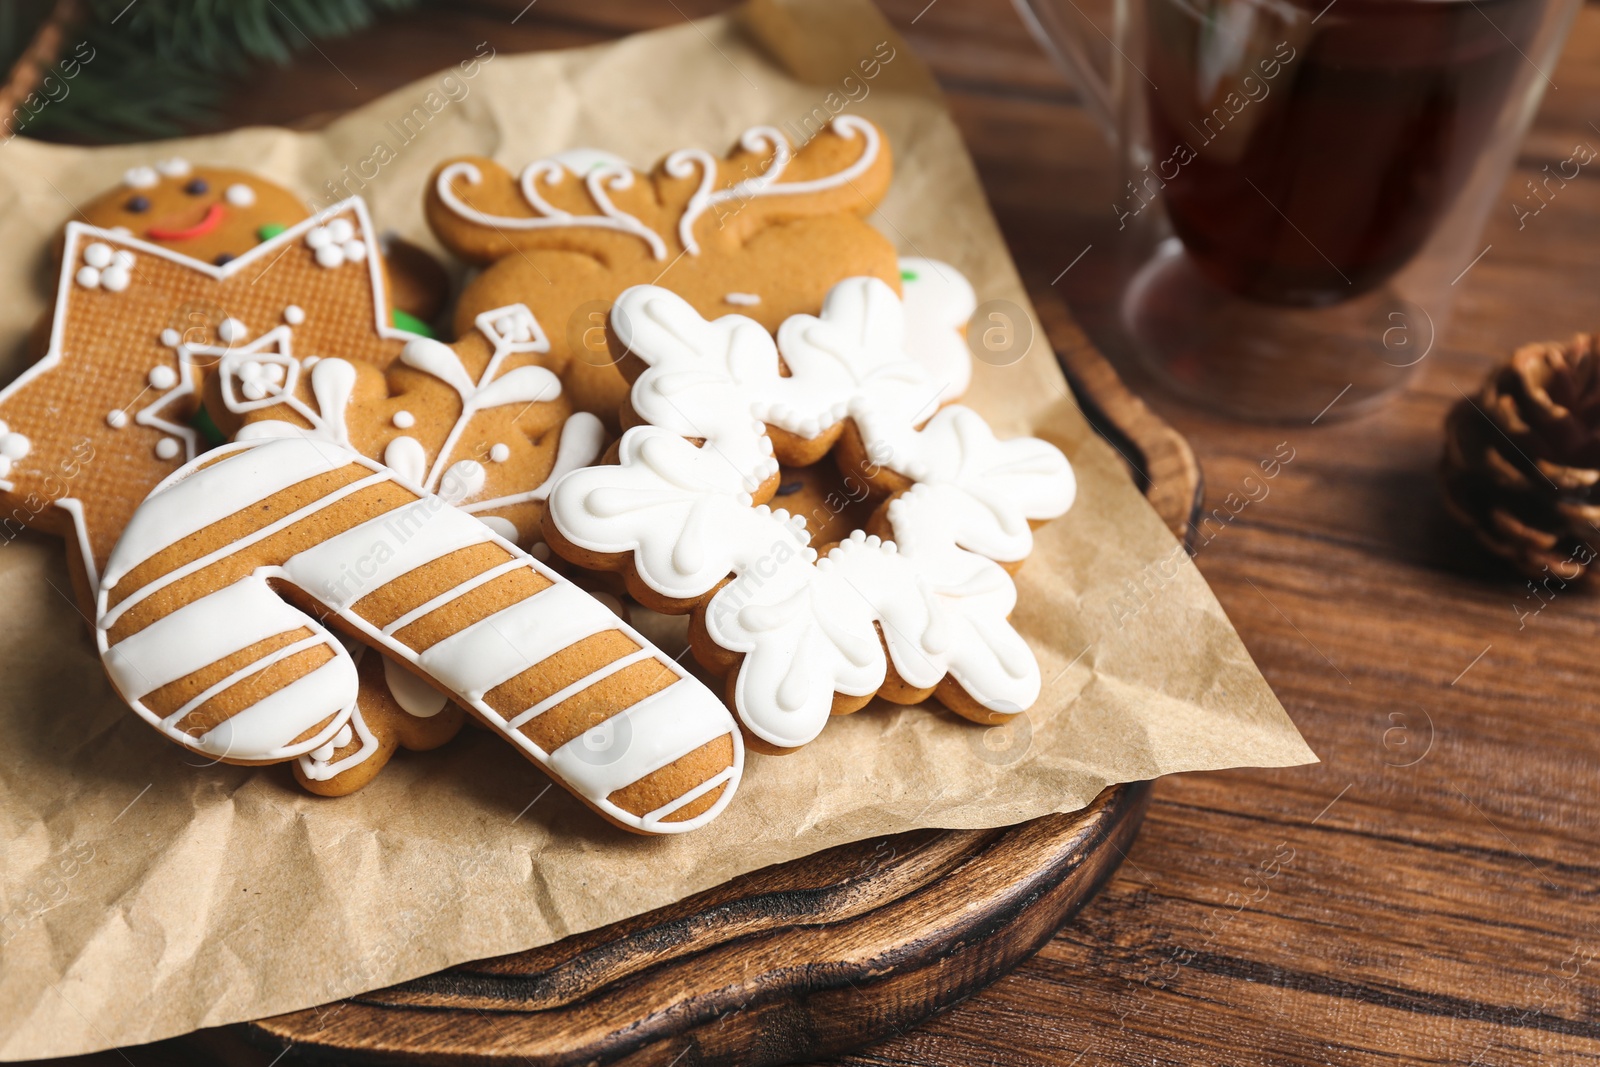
(210, 620)
(765, 231)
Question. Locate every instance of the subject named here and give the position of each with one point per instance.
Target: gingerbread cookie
(765, 231)
(484, 411)
(217, 214)
(914, 604)
(134, 327)
(197, 638)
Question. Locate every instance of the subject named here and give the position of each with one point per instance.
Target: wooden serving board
(797, 961)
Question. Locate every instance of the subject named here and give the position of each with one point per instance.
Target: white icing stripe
(365, 558)
(245, 672)
(661, 728)
(502, 646)
(265, 730)
(597, 181)
(110, 617)
(199, 634)
(451, 594)
(208, 496)
(691, 796)
(579, 686)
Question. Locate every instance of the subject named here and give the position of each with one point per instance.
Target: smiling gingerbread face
(213, 214)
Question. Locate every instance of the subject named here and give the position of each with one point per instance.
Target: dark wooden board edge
(855, 952)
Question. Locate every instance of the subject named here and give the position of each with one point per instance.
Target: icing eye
(240, 195)
(223, 257)
(196, 186)
(137, 204)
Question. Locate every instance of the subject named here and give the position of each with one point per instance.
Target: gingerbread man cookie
(216, 214)
(210, 622)
(914, 604)
(765, 231)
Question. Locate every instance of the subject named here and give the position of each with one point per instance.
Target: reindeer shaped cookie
(765, 232)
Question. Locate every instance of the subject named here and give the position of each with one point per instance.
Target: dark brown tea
(1306, 162)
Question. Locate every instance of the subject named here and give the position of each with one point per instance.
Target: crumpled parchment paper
(142, 896)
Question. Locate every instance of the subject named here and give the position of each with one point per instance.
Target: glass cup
(1301, 188)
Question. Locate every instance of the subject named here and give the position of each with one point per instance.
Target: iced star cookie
(210, 621)
(915, 604)
(216, 214)
(134, 328)
(765, 232)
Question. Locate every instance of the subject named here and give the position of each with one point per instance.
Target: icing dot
(170, 337)
(167, 448)
(330, 255)
(319, 238)
(500, 453)
(115, 278)
(355, 251)
(742, 299)
(163, 377)
(123, 258)
(294, 314)
(87, 277)
(342, 738)
(231, 330)
(15, 446)
(140, 177)
(404, 420)
(116, 418)
(340, 231)
(240, 195)
(323, 753)
(174, 167)
(504, 527)
(97, 255)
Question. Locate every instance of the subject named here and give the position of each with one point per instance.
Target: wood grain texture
(1424, 896)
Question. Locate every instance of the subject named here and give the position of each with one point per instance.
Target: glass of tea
(1302, 183)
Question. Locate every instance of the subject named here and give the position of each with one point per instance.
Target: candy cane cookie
(210, 623)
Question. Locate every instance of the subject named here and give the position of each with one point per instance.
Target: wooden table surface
(1429, 893)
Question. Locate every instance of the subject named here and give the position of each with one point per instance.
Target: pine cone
(1521, 461)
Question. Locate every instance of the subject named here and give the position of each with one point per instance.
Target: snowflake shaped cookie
(914, 605)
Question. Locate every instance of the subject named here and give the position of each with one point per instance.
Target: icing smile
(211, 220)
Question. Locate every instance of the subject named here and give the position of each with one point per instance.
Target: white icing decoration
(808, 628)
(742, 299)
(104, 269)
(174, 168)
(350, 563)
(116, 418)
(505, 528)
(938, 302)
(599, 181)
(231, 330)
(601, 177)
(171, 337)
(411, 692)
(140, 177)
(684, 162)
(13, 446)
(500, 452)
(407, 458)
(240, 195)
(294, 314)
(168, 448)
(336, 243)
(404, 420)
(162, 377)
